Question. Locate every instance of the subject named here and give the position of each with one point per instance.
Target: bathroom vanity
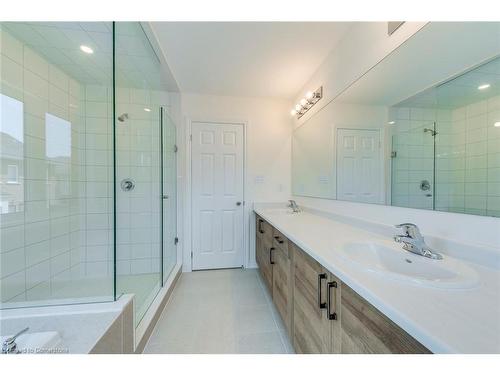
(330, 302)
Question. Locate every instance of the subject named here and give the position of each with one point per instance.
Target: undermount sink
(391, 261)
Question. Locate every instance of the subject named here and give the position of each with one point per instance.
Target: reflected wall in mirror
(421, 129)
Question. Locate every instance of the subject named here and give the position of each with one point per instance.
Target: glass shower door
(56, 159)
(169, 196)
(138, 166)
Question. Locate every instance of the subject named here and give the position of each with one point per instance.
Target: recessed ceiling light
(147, 109)
(391, 122)
(497, 124)
(483, 87)
(86, 49)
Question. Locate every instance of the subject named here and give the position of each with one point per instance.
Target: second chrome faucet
(413, 241)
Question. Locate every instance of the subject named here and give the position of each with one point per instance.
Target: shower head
(123, 117)
(433, 132)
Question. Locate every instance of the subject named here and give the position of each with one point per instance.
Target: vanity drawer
(279, 240)
(265, 230)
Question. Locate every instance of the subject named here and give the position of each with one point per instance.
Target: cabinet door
(282, 286)
(333, 312)
(263, 244)
(311, 328)
(266, 267)
(366, 330)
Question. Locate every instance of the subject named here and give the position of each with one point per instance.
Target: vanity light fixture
(484, 86)
(497, 124)
(306, 103)
(86, 49)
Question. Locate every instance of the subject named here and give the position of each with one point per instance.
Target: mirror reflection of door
(359, 165)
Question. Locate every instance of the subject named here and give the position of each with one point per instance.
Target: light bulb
(391, 122)
(298, 107)
(309, 95)
(484, 86)
(293, 112)
(147, 109)
(497, 124)
(303, 102)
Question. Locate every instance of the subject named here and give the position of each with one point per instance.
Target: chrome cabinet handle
(277, 238)
(271, 255)
(260, 226)
(321, 304)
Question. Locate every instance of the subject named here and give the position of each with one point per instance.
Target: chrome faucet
(9, 346)
(413, 241)
(293, 206)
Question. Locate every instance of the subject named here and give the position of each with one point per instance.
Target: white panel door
(359, 165)
(217, 195)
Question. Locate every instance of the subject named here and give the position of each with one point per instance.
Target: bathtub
(106, 327)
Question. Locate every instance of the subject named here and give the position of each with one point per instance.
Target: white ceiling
(432, 56)
(263, 59)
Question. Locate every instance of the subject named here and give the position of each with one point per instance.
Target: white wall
(364, 45)
(268, 150)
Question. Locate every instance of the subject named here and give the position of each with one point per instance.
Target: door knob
(238, 203)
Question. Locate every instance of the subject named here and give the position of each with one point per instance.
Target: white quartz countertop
(444, 320)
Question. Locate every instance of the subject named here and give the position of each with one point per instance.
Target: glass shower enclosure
(445, 147)
(87, 183)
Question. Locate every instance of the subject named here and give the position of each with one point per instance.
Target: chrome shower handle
(127, 184)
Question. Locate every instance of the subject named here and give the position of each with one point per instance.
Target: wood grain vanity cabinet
(263, 252)
(322, 314)
(282, 279)
(316, 297)
(367, 330)
(274, 262)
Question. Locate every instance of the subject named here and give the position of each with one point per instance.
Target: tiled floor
(222, 311)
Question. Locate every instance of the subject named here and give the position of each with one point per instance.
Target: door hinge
(176, 148)
(176, 240)
(191, 256)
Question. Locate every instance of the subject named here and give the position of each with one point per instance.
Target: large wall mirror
(421, 129)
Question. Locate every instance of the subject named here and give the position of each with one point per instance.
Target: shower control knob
(127, 184)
